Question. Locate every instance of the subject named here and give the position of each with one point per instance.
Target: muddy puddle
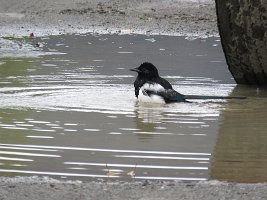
(69, 111)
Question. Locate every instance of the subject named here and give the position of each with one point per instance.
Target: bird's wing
(166, 91)
(169, 95)
(163, 82)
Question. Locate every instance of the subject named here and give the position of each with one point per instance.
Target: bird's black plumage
(150, 83)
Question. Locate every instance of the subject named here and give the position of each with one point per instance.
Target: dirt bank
(174, 17)
(33, 188)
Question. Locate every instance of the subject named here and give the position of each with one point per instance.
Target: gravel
(41, 188)
(192, 18)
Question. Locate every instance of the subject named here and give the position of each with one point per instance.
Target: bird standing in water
(150, 87)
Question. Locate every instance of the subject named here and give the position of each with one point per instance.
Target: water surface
(70, 112)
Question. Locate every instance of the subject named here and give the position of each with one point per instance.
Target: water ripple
(107, 150)
(29, 154)
(135, 166)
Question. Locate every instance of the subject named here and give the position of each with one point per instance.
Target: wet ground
(191, 18)
(68, 111)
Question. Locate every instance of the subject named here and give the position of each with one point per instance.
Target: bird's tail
(212, 97)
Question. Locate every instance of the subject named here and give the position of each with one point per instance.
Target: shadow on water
(71, 113)
(240, 152)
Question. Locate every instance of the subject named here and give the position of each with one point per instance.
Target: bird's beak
(135, 70)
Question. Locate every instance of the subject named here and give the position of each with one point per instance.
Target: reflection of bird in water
(151, 88)
(146, 120)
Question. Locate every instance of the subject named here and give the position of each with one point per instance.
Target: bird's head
(147, 70)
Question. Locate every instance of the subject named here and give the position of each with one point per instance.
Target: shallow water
(69, 111)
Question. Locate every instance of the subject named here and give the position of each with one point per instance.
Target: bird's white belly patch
(153, 98)
(152, 87)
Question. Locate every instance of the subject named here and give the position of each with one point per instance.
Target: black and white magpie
(150, 87)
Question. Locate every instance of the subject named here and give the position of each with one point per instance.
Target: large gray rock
(243, 29)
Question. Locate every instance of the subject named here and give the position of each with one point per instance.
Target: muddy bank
(33, 188)
(172, 17)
